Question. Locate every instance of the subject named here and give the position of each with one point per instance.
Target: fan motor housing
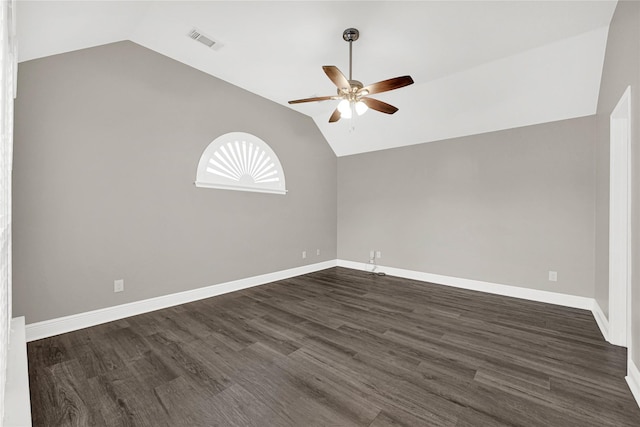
(355, 84)
(355, 87)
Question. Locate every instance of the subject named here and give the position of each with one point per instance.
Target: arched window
(240, 161)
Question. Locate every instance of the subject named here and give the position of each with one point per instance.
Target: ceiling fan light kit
(346, 108)
(353, 95)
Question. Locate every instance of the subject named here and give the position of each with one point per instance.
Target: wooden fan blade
(335, 116)
(317, 98)
(336, 77)
(386, 85)
(383, 107)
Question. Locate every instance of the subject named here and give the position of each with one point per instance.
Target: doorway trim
(620, 222)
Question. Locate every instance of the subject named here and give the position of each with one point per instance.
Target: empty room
(319, 213)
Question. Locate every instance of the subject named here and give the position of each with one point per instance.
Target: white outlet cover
(553, 276)
(317, 251)
(304, 254)
(378, 254)
(118, 285)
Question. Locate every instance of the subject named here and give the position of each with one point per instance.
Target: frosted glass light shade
(345, 109)
(361, 108)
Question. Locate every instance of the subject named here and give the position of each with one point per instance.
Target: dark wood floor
(336, 348)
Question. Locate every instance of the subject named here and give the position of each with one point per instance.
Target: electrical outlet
(304, 254)
(378, 254)
(371, 254)
(118, 285)
(317, 251)
(553, 276)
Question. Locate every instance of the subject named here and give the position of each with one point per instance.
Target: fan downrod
(350, 35)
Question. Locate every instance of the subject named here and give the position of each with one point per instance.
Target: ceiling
(478, 66)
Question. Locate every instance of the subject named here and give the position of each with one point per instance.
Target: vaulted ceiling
(478, 66)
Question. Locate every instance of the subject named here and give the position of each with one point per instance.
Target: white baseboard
(601, 319)
(633, 379)
(48, 328)
(566, 300)
(74, 322)
(17, 402)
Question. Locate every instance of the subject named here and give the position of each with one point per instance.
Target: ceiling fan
(354, 95)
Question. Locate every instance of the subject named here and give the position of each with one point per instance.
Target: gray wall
(503, 207)
(107, 141)
(621, 69)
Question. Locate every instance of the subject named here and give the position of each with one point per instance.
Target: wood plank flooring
(336, 348)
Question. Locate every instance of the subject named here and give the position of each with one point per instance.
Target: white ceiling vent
(204, 39)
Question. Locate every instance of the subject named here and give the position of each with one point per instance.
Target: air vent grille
(198, 36)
